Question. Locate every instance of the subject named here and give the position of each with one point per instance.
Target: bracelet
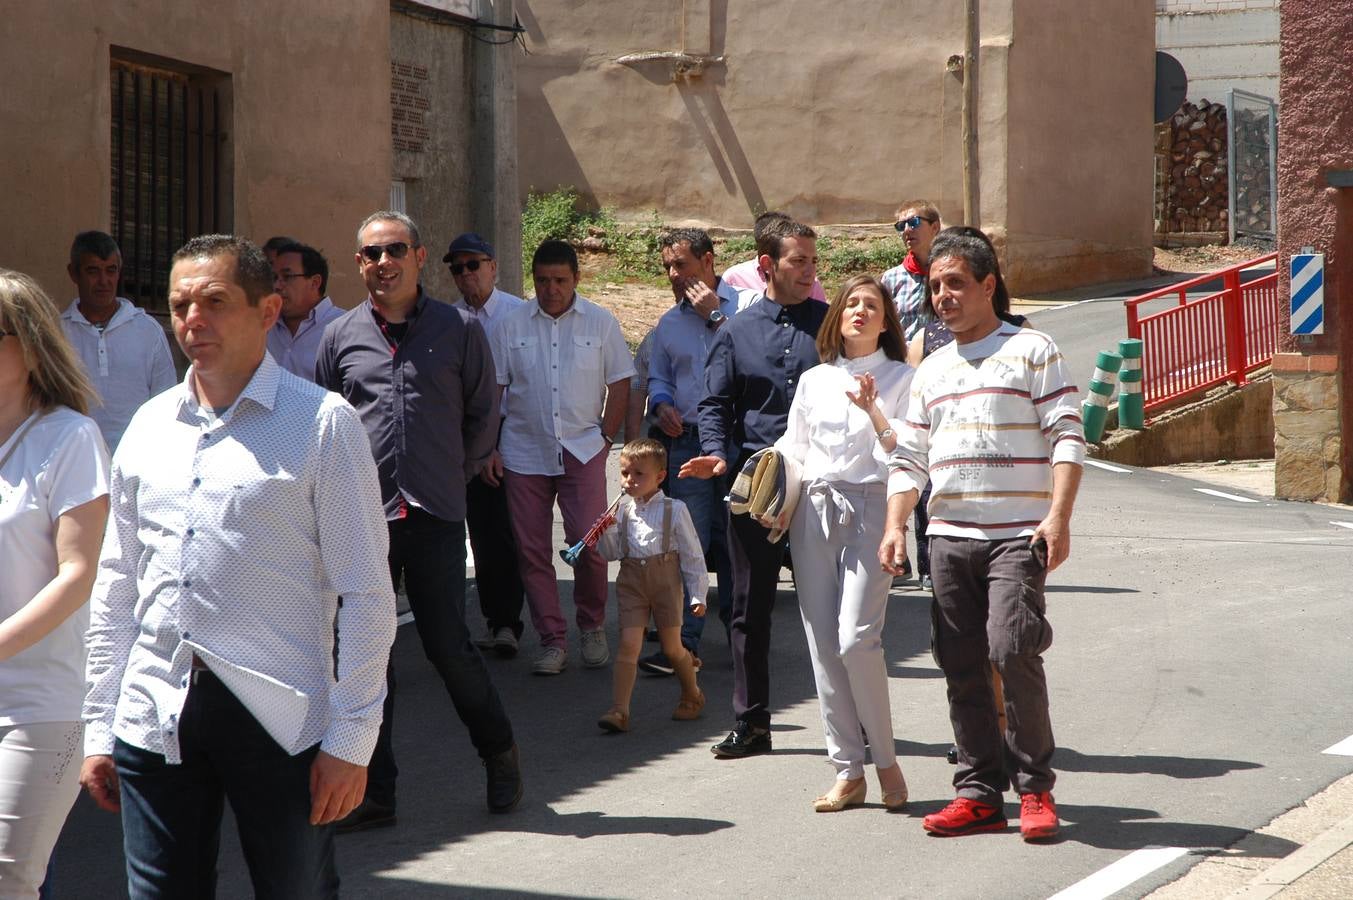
(887, 432)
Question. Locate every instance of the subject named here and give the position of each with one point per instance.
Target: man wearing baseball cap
(474, 267)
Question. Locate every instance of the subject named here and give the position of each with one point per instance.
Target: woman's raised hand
(867, 394)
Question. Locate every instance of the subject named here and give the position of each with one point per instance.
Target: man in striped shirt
(994, 423)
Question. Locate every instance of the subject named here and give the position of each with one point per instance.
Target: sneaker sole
(1039, 834)
(980, 828)
(598, 664)
(547, 671)
(653, 669)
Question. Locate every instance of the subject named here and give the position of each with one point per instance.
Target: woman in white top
(841, 429)
(53, 505)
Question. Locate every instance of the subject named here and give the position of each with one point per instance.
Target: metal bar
(119, 128)
(169, 194)
(201, 152)
(215, 161)
(154, 184)
(1231, 166)
(1273, 168)
(136, 181)
(183, 168)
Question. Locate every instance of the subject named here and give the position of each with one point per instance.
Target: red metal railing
(1201, 343)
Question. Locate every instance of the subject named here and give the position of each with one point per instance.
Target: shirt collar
(413, 313)
(642, 504)
(537, 311)
(124, 309)
(862, 364)
(261, 389)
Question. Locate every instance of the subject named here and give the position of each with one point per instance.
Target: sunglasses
(396, 250)
(471, 265)
(911, 222)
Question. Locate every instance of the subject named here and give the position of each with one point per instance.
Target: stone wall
(1228, 423)
(1308, 441)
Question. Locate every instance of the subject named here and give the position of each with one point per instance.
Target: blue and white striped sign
(1308, 293)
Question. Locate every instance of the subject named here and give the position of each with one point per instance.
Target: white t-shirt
(59, 463)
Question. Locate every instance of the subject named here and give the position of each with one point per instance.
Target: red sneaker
(964, 816)
(1037, 816)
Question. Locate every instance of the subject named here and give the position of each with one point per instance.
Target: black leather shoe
(504, 772)
(368, 814)
(743, 740)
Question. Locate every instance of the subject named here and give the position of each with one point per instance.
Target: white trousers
(843, 597)
(39, 780)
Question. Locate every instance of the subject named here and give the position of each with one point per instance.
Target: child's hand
(697, 609)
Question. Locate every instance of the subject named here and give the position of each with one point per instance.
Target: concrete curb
(1285, 872)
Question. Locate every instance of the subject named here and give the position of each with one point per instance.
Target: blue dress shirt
(681, 342)
(752, 373)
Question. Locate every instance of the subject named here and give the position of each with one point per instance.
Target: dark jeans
(429, 554)
(495, 556)
(992, 611)
(171, 814)
(756, 572)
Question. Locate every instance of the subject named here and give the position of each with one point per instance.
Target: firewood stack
(1253, 199)
(1195, 190)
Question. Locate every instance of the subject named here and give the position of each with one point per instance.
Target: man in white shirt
(994, 422)
(245, 503)
(474, 268)
(564, 371)
(123, 349)
(301, 278)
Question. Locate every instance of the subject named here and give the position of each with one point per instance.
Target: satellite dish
(1171, 85)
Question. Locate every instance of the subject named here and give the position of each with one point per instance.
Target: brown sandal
(688, 708)
(614, 721)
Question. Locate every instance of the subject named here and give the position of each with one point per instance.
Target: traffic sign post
(1307, 307)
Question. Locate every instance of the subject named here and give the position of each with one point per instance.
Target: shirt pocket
(522, 354)
(587, 353)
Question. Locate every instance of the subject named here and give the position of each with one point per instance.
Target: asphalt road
(1200, 666)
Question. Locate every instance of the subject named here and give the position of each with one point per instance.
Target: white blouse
(831, 436)
(59, 464)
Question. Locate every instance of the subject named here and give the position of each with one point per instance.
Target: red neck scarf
(912, 266)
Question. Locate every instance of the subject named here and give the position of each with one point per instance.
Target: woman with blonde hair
(53, 506)
(841, 431)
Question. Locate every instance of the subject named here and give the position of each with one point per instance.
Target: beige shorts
(649, 587)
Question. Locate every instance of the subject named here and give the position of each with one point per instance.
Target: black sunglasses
(396, 250)
(911, 222)
(471, 265)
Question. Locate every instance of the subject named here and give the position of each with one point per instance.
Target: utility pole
(971, 175)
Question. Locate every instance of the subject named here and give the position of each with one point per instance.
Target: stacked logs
(1253, 197)
(1192, 145)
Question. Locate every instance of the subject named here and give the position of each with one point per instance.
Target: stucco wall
(833, 124)
(836, 112)
(311, 149)
(1315, 137)
(1079, 99)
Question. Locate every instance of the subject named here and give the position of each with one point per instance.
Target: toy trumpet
(594, 533)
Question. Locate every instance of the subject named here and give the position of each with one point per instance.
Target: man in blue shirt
(676, 385)
(750, 378)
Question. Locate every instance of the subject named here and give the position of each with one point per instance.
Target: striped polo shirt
(985, 424)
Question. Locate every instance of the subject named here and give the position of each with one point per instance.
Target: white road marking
(1113, 878)
(1343, 524)
(1226, 496)
(1107, 468)
(1343, 748)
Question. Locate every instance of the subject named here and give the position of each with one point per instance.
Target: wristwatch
(887, 432)
(610, 441)
(715, 319)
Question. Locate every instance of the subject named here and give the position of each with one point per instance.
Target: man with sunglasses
(918, 221)
(501, 595)
(301, 278)
(420, 374)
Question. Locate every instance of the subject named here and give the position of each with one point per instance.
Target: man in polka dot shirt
(245, 503)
